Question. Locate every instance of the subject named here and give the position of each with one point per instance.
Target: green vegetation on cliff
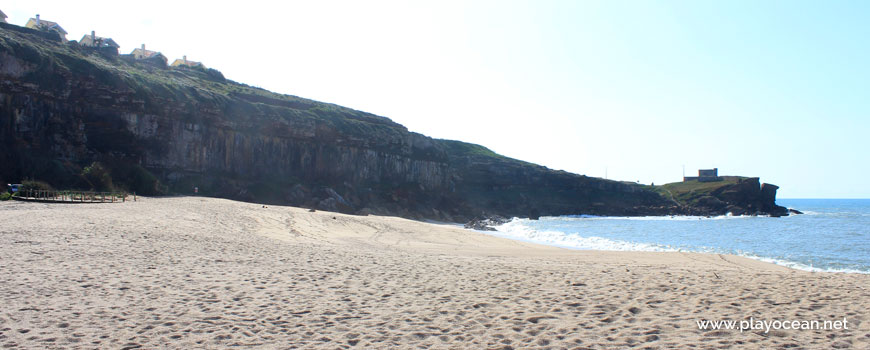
(52, 65)
(465, 149)
(687, 192)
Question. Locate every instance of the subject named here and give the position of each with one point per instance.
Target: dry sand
(211, 273)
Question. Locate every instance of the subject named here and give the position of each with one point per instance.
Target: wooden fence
(71, 196)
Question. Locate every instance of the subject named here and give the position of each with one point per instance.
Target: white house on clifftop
(92, 40)
(47, 26)
(184, 62)
(143, 54)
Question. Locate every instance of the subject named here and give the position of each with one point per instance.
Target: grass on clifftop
(685, 191)
(53, 61)
(469, 149)
(465, 149)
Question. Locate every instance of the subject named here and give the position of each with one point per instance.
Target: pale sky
(636, 89)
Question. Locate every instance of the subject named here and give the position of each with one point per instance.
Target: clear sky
(633, 89)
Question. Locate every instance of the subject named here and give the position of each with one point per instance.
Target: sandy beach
(193, 272)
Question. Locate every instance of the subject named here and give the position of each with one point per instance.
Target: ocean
(832, 235)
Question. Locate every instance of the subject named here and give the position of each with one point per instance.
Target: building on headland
(155, 57)
(92, 40)
(184, 62)
(705, 175)
(141, 53)
(2, 17)
(46, 26)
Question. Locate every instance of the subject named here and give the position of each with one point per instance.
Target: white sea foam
(519, 229)
(800, 266)
(729, 216)
(805, 212)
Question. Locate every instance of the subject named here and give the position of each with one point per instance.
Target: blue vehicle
(14, 187)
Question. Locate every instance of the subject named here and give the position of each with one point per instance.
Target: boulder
(486, 222)
(333, 202)
(296, 195)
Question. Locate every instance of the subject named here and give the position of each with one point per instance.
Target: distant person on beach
(12, 188)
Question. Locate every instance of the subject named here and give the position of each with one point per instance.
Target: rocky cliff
(734, 195)
(78, 117)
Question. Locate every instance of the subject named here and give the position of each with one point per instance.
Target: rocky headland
(79, 117)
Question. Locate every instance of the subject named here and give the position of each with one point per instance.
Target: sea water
(831, 235)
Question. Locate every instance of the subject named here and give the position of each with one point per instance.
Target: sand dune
(210, 273)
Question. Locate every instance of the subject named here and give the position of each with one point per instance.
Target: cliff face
(158, 130)
(64, 107)
(509, 187)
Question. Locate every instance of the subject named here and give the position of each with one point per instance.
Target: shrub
(35, 185)
(215, 75)
(98, 176)
(5, 196)
(142, 181)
